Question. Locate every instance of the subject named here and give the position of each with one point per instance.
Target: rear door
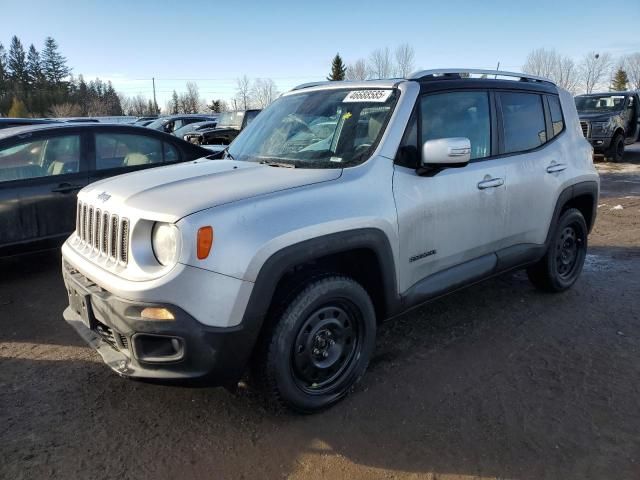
(40, 175)
(537, 162)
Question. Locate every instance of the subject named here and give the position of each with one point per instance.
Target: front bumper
(128, 343)
(600, 144)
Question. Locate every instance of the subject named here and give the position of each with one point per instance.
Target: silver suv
(342, 205)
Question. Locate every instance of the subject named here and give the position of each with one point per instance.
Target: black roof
(10, 132)
(454, 83)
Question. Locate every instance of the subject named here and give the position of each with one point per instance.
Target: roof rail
(309, 85)
(444, 72)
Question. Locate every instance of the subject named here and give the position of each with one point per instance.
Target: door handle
(66, 188)
(490, 183)
(556, 167)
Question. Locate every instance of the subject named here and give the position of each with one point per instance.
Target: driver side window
(458, 114)
(118, 150)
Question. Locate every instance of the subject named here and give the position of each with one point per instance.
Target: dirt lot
(498, 381)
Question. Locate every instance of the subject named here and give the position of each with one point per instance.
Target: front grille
(103, 232)
(585, 129)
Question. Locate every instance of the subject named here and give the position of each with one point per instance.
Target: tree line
(594, 71)
(40, 83)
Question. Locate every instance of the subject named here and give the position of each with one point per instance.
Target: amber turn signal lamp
(154, 313)
(205, 242)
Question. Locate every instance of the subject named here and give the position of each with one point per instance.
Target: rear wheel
(562, 264)
(616, 149)
(319, 347)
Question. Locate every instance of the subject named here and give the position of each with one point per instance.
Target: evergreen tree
(337, 69)
(53, 63)
(18, 110)
(5, 98)
(620, 81)
(82, 95)
(17, 63)
(3, 70)
(112, 100)
(33, 68)
(175, 103)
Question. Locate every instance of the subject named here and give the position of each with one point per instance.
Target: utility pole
(155, 104)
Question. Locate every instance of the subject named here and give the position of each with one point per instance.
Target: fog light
(154, 313)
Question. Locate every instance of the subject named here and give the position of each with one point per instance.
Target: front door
(456, 215)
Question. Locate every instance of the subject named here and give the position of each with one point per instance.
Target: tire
(562, 264)
(616, 149)
(319, 347)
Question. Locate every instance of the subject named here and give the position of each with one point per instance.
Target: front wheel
(319, 347)
(562, 264)
(616, 149)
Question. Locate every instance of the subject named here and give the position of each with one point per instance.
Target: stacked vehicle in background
(230, 124)
(609, 121)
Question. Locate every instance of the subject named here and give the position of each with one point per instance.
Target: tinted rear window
(557, 121)
(523, 118)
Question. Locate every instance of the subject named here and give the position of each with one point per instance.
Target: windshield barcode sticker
(380, 96)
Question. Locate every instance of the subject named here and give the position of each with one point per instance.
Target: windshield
(230, 119)
(600, 103)
(157, 123)
(191, 127)
(322, 129)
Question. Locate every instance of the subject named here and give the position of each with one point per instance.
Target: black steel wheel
(318, 347)
(562, 264)
(616, 149)
(327, 346)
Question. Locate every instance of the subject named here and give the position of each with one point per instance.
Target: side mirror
(446, 152)
(168, 127)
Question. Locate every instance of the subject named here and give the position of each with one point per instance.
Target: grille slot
(124, 341)
(107, 334)
(585, 129)
(124, 240)
(103, 232)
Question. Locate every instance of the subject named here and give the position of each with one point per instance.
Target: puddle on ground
(598, 263)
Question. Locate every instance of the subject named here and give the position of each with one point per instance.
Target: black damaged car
(42, 167)
(230, 124)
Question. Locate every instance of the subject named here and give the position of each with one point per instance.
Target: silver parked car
(341, 205)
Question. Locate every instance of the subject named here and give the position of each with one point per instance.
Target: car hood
(172, 192)
(597, 117)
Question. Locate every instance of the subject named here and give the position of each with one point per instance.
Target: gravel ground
(498, 381)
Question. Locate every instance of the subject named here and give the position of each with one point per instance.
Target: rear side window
(170, 153)
(557, 122)
(523, 120)
(117, 150)
(458, 114)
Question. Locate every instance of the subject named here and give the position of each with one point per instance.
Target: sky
(213, 42)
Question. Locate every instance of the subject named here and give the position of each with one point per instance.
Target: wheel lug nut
(316, 351)
(325, 354)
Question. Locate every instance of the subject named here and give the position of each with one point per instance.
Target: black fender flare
(573, 191)
(303, 252)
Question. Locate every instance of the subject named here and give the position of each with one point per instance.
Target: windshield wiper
(276, 164)
(227, 154)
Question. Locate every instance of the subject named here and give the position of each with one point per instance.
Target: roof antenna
(497, 68)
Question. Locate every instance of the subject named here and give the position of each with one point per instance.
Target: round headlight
(165, 241)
